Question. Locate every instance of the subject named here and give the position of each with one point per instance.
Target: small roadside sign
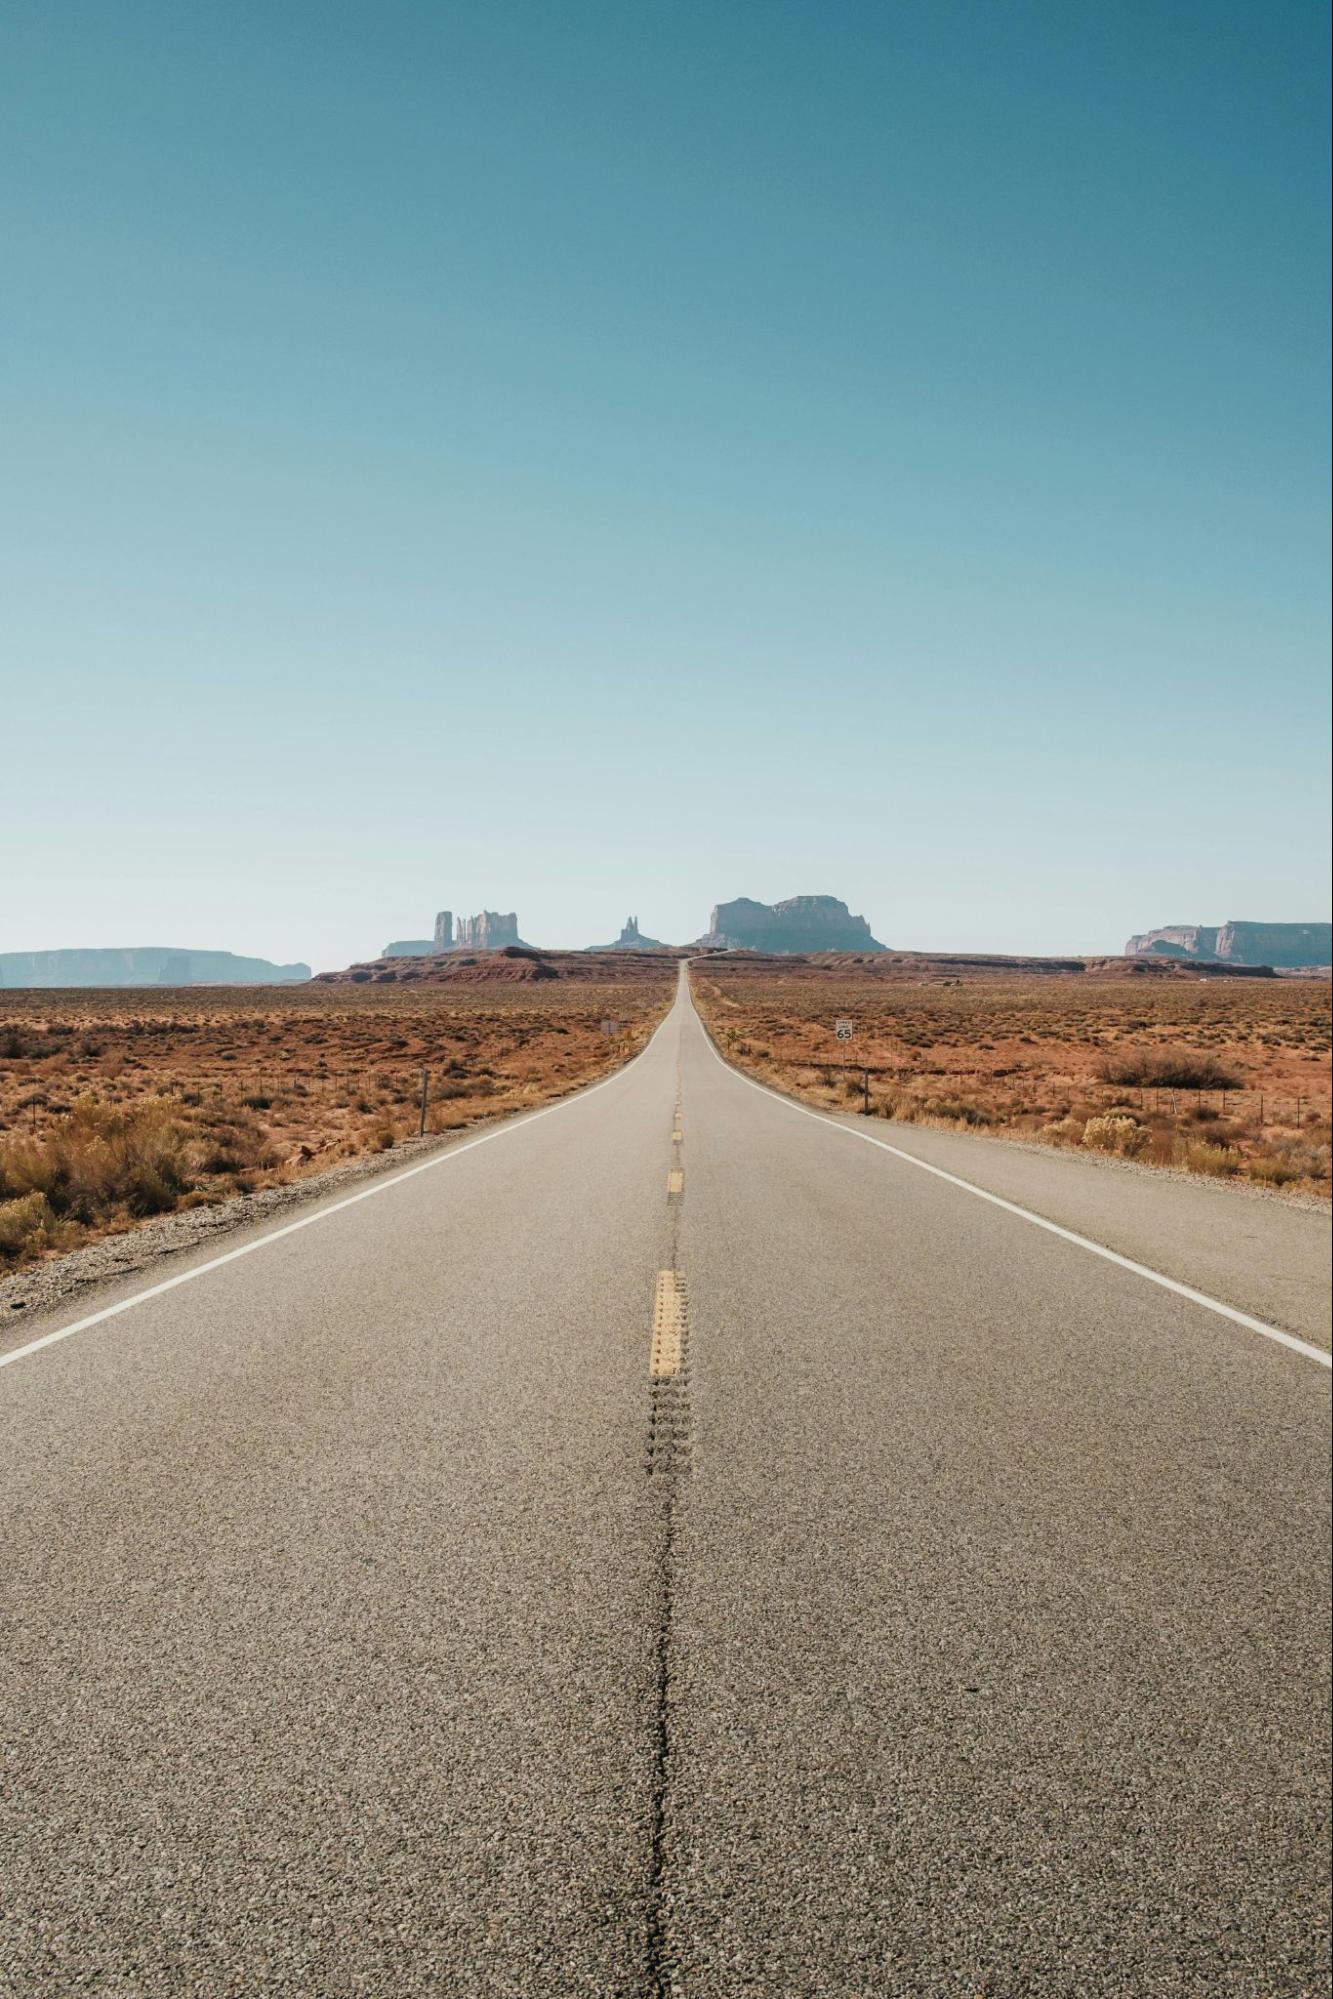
(843, 1029)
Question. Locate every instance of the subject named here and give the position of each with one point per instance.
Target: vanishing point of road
(670, 1545)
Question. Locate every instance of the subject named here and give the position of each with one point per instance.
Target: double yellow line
(668, 1343)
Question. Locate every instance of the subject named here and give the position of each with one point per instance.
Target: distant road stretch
(671, 1548)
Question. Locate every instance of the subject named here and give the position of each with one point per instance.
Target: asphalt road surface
(601, 1562)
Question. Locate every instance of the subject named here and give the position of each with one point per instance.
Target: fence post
(425, 1092)
(865, 1101)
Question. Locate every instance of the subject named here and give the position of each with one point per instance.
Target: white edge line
(442, 1158)
(1299, 1346)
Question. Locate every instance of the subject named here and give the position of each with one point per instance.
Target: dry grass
(119, 1105)
(1227, 1078)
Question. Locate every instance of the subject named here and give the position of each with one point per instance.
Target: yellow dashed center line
(676, 1181)
(668, 1326)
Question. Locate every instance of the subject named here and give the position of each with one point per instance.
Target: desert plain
(119, 1105)
(1227, 1078)
(116, 1106)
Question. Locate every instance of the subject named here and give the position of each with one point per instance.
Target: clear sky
(585, 458)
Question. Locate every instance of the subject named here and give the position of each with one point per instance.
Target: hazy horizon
(605, 460)
(564, 940)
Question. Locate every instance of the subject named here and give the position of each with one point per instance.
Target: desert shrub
(1063, 1131)
(1164, 1147)
(1123, 1136)
(1291, 1160)
(25, 1224)
(1219, 1160)
(909, 1109)
(437, 1120)
(100, 1158)
(1166, 1069)
(957, 1110)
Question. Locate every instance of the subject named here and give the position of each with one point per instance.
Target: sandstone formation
(1290, 945)
(802, 923)
(143, 965)
(490, 931)
(632, 938)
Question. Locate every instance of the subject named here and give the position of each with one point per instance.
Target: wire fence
(1266, 1105)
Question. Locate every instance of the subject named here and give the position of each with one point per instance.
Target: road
(604, 1562)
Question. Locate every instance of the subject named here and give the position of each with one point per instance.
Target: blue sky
(609, 457)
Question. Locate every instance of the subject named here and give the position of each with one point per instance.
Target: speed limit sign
(843, 1029)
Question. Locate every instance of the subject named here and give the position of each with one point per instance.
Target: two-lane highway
(671, 1547)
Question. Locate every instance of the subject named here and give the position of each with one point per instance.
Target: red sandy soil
(117, 1105)
(1222, 1076)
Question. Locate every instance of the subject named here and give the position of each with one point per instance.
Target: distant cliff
(489, 931)
(802, 923)
(492, 930)
(1290, 945)
(143, 965)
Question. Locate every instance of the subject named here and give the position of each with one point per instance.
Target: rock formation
(490, 931)
(143, 965)
(1293, 945)
(802, 923)
(1175, 940)
(631, 938)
